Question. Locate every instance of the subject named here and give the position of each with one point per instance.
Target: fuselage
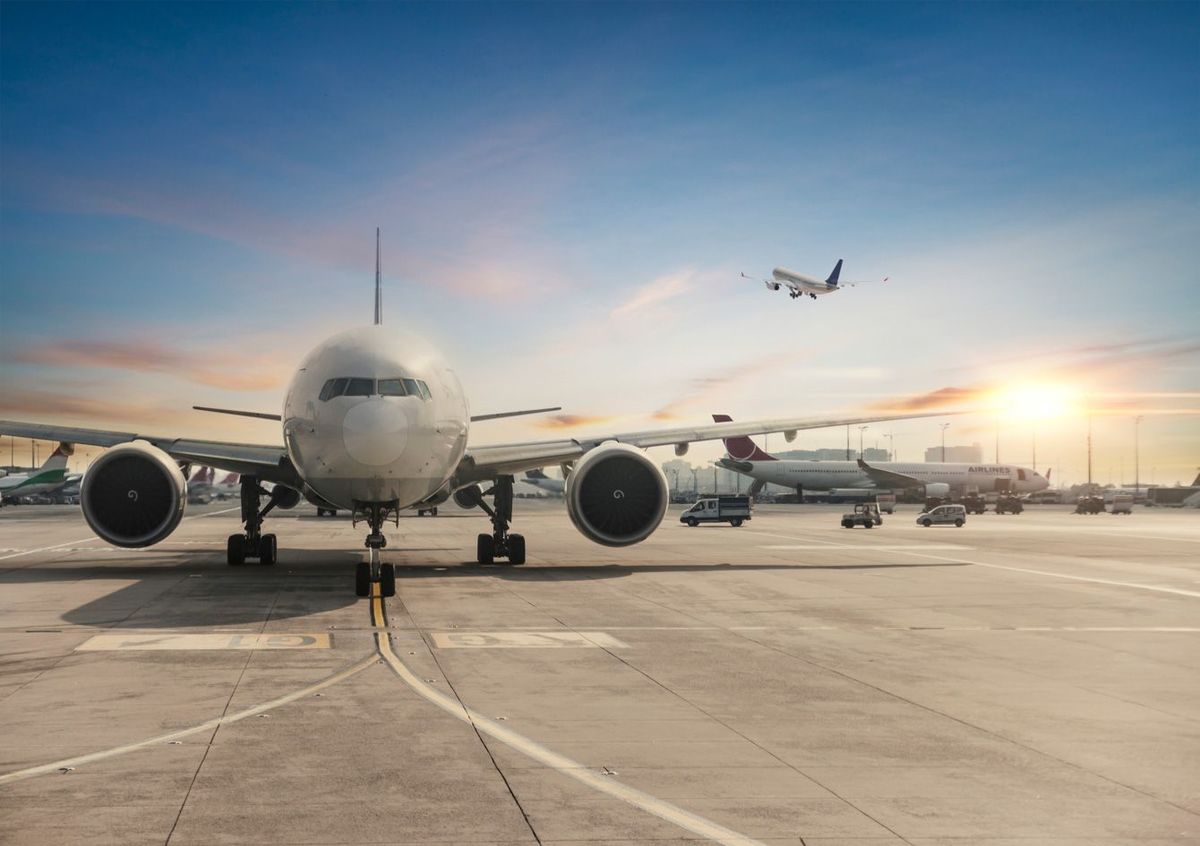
(374, 415)
(802, 283)
(825, 475)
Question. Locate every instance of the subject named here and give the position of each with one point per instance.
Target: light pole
(1035, 450)
(847, 441)
(944, 427)
(861, 429)
(1137, 480)
(891, 446)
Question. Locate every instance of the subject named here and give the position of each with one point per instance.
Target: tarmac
(1025, 679)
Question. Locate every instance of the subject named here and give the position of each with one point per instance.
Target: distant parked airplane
(798, 284)
(539, 479)
(46, 478)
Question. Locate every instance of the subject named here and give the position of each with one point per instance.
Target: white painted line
(525, 640)
(944, 546)
(201, 642)
(80, 760)
(1092, 579)
(93, 537)
(1123, 629)
(560, 763)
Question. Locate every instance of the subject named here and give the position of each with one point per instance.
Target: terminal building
(972, 454)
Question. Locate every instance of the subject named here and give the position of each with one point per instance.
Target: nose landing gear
(367, 572)
(500, 543)
(252, 544)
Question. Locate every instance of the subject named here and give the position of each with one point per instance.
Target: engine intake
(616, 495)
(133, 495)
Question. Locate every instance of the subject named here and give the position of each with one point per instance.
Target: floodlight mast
(378, 283)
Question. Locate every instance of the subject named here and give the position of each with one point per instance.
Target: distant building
(972, 454)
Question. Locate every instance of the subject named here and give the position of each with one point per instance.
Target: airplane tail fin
(58, 458)
(833, 277)
(741, 447)
(535, 474)
(231, 479)
(1048, 472)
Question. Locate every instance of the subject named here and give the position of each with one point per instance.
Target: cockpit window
(392, 388)
(333, 388)
(1021, 474)
(425, 390)
(410, 385)
(360, 387)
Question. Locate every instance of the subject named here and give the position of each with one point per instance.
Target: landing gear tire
(362, 579)
(693, 522)
(516, 550)
(485, 549)
(267, 548)
(387, 580)
(235, 551)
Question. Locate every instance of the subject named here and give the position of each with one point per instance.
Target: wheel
(846, 524)
(737, 522)
(387, 580)
(362, 579)
(235, 551)
(958, 523)
(693, 522)
(433, 511)
(869, 524)
(516, 550)
(485, 549)
(926, 523)
(266, 550)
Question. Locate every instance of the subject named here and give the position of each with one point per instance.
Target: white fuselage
(363, 446)
(801, 283)
(826, 475)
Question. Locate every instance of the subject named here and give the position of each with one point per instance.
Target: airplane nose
(375, 432)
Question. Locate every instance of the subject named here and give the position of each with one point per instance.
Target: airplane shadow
(571, 572)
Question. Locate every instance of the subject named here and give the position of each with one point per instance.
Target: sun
(1037, 401)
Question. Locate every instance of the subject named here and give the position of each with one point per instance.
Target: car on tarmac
(943, 515)
(865, 514)
(1009, 504)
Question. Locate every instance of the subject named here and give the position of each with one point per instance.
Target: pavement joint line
(80, 760)
(560, 763)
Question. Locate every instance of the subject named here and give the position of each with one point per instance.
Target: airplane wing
(487, 462)
(269, 463)
(888, 479)
(862, 282)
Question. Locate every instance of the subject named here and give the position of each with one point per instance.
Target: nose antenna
(378, 284)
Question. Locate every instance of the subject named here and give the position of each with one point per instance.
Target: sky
(569, 192)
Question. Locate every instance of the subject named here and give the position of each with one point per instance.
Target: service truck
(733, 510)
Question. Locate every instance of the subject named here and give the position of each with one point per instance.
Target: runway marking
(945, 546)
(525, 640)
(573, 769)
(1174, 629)
(93, 537)
(80, 760)
(199, 642)
(1092, 579)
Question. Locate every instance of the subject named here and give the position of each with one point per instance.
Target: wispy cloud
(215, 369)
(654, 292)
(571, 421)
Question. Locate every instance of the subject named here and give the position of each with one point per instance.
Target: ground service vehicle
(722, 509)
(1090, 505)
(944, 515)
(974, 503)
(1122, 504)
(1009, 504)
(865, 514)
(886, 502)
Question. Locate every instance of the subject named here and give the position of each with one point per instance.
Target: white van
(944, 515)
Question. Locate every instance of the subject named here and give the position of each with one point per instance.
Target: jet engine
(616, 495)
(938, 489)
(285, 497)
(133, 495)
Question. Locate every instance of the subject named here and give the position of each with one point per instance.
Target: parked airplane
(937, 478)
(51, 475)
(798, 284)
(375, 421)
(539, 479)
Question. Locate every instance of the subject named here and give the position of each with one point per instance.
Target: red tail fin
(741, 447)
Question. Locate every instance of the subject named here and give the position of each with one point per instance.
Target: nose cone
(375, 432)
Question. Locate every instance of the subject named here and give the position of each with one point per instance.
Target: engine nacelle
(616, 495)
(133, 495)
(285, 497)
(938, 489)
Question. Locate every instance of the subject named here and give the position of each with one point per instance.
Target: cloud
(656, 291)
(214, 369)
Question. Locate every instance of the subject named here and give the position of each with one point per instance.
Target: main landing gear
(500, 543)
(252, 544)
(376, 514)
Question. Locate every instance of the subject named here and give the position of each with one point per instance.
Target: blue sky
(568, 193)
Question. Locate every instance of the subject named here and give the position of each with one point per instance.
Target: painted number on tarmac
(524, 640)
(187, 642)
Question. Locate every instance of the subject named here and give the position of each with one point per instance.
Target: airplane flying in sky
(375, 421)
(798, 284)
(937, 478)
(51, 475)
